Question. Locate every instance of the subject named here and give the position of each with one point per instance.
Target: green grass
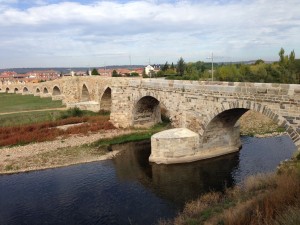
(25, 118)
(16, 102)
(136, 136)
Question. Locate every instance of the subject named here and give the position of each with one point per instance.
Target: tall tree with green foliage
(115, 73)
(180, 67)
(172, 66)
(95, 72)
(165, 67)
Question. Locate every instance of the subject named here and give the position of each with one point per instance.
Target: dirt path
(35, 110)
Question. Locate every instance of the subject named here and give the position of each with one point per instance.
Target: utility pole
(130, 61)
(212, 66)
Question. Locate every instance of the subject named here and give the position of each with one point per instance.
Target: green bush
(73, 112)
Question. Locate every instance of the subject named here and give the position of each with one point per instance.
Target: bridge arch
(16, 90)
(146, 111)
(56, 91)
(25, 90)
(85, 95)
(45, 90)
(7, 90)
(37, 90)
(105, 100)
(221, 128)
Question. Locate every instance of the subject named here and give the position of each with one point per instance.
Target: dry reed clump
(260, 200)
(266, 203)
(47, 131)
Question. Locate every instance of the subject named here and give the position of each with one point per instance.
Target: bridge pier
(181, 145)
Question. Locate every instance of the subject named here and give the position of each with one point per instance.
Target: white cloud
(48, 34)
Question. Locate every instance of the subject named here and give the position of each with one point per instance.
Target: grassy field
(25, 118)
(15, 103)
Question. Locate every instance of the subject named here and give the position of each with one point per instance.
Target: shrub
(47, 131)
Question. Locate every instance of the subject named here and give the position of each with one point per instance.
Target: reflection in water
(180, 183)
(177, 183)
(128, 190)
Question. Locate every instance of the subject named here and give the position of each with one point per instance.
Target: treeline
(285, 70)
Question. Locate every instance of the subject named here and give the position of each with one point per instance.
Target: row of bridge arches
(105, 100)
(56, 90)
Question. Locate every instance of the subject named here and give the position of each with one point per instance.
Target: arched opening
(56, 91)
(16, 90)
(105, 102)
(7, 90)
(223, 130)
(45, 91)
(147, 111)
(38, 90)
(25, 89)
(85, 96)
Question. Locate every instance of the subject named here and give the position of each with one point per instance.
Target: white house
(148, 69)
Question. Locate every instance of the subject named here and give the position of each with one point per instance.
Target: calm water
(128, 190)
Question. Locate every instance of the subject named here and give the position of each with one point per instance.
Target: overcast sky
(51, 33)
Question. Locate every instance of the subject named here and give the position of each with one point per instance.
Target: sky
(91, 33)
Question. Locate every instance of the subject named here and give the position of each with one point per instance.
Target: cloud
(163, 30)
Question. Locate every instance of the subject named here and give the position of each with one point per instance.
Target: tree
(259, 61)
(115, 73)
(95, 72)
(180, 66)
(134, 74)
(165, 67)
(281, 55)
(292, 57)
(172, 66)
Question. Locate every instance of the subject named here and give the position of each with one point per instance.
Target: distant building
(148, 70)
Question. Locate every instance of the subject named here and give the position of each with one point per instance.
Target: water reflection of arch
(105, 100)
(178, 182)
(85, 95)
(56, 91)
(146, 110)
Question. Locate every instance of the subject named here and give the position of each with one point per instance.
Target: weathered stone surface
(173, 145)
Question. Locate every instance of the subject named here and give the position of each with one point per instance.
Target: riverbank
(72, 150)
(85, 148)
(79, 148)
(57, 153)
(260, 200)
(255, 124)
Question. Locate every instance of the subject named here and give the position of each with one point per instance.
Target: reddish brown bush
(47, 131)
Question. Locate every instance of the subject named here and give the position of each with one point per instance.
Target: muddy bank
(255, 124)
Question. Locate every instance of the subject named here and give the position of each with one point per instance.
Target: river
(127, 189)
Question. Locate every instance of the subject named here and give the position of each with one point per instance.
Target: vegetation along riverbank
(263, 199)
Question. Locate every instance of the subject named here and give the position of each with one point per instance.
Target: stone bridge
(209, 111)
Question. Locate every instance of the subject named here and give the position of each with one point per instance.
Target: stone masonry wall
(190, 104)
